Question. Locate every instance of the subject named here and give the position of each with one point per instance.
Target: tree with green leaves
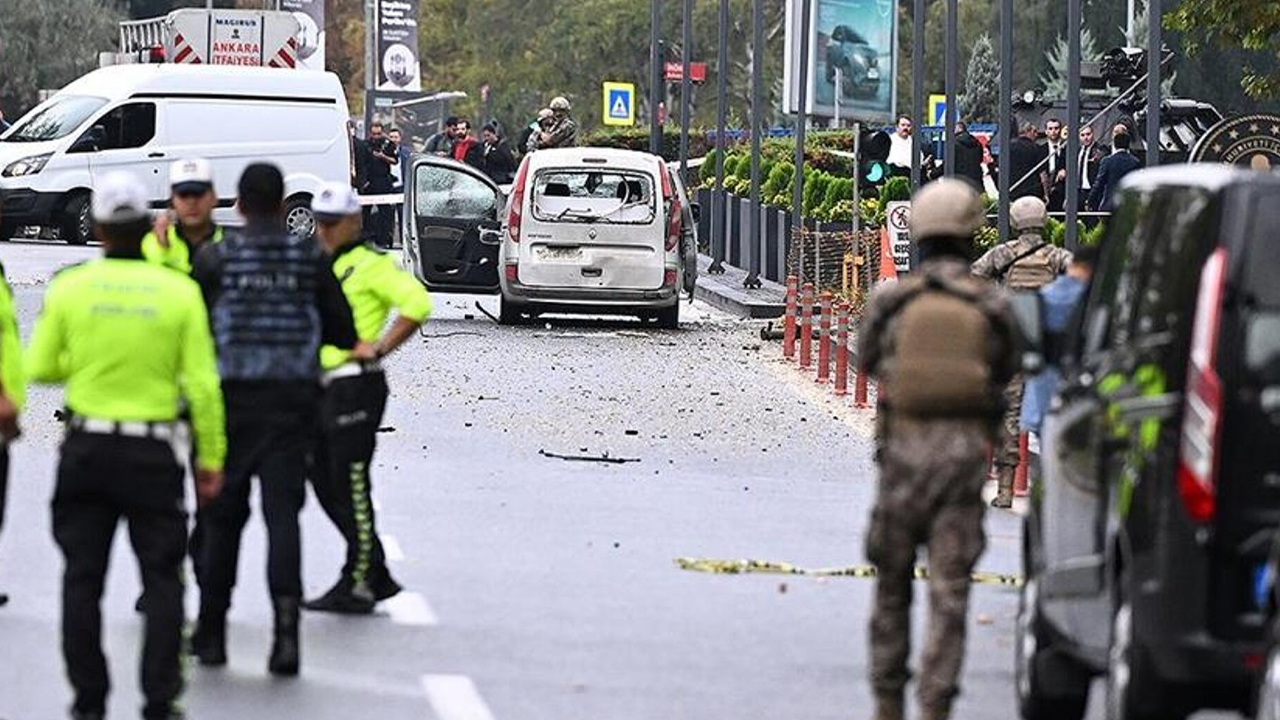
(981, 99)
(1054, 79)
(1249, 24)
(47, 45)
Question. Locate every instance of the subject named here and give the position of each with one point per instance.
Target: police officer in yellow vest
(12, 388)
(194, 198)
(355, 396)
(130, 340)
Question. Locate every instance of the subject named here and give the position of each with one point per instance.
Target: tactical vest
(265, 320)
(1031, 272)
(942, 352)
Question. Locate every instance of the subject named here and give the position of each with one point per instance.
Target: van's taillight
(516, 212)
(672, 202)
(1202, 414)
(155, 54)
(669, 277)
(513, 272)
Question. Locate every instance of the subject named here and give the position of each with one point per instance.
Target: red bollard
(824, 337)
(1020, 474)
(789, 321)
(842, 349)
(806, 325)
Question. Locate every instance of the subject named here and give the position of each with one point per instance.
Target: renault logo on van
(591, 233)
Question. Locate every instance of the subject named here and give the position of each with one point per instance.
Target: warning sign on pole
(898, 220)
(619, 104)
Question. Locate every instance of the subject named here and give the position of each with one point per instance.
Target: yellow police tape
(765, 567)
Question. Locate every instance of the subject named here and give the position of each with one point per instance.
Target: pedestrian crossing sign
(619, 103)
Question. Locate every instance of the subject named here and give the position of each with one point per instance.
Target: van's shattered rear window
(594, 196)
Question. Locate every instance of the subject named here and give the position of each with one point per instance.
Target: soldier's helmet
(1028, 213)
(946, 209)
(560, 105)
(545, 114)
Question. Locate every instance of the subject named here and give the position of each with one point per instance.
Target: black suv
(1161, 459)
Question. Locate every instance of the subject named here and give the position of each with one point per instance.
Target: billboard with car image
(853, 43)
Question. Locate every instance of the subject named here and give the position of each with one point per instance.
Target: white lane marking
(410, 608)
(391, 547)
(454, 697)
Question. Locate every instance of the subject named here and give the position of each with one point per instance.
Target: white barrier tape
(394, 199)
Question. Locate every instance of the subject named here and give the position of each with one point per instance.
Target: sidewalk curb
(725, 292)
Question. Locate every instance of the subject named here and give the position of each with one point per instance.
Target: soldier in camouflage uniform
(564, 129)
(941, 345)
(1028, 262)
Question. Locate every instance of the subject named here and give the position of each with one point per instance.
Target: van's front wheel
(75, 226)
(298, 218)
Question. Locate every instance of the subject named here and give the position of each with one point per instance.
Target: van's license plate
(560, 254)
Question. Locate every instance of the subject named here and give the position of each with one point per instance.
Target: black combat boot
(285, 650)
(343, 599)
(384, 586)
(209, 641)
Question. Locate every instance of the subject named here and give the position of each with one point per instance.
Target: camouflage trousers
(931, 479)
(1007, 454)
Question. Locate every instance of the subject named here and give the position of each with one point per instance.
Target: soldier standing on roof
(941, 344)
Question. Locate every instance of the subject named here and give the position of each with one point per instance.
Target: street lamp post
(686, 48)
(802, 119)
(1073, 122)
(655, 76)
(952, 82)
(1006, 131)
(757, 126)
(1155, 60)
(917, 90)
(718, 234)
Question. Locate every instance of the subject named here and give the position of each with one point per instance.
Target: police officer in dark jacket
(274, 300)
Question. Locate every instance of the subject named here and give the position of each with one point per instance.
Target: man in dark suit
(1088, 161)
(1112, 171)
(1025, 157)
(1055, 172)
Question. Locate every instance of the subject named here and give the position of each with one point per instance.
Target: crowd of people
(264, 346)
(1037, 169)
(383, 158)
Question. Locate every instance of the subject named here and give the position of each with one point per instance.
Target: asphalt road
(541, 588)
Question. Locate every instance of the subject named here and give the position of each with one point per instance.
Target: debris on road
(766, 567)
(605, 458)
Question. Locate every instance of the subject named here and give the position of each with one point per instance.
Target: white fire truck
(255, 38)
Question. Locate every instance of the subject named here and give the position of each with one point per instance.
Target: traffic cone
(888, 269)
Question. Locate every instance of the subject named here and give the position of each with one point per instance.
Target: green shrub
(895, 189)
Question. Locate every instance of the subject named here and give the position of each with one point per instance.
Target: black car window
(1111, 297)
(129, 126)
(1170, 275)
(1263, 252)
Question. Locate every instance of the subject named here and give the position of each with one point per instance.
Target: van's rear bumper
(23, 206)
(592, 297)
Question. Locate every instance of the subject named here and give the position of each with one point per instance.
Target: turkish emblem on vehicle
(1249, 140)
